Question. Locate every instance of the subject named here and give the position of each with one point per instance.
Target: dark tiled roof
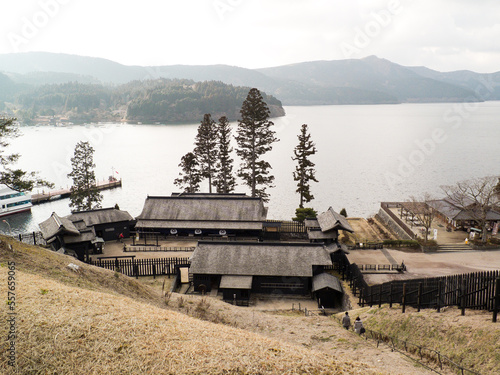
(56, 225)
(330, 220)
(71, 232)
(203, 211)
(258, 259)
(325, 280)
(101, 216)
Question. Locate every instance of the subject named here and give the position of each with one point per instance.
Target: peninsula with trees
(149, 101)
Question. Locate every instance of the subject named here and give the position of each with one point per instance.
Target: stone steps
(454, 247)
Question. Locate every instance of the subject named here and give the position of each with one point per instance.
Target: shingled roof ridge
(270, 243)
(225, 197)
(95, 210)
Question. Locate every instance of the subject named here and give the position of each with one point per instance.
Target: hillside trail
(317, 332)
(325, 334)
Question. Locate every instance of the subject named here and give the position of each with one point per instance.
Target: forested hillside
(162, 100)
(183, 100)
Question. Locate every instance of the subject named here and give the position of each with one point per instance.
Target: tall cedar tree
(254, 139)
(16, 179)
(224, 179)
(304, 171)
(206, 149)
(84, 194)
(190, 176)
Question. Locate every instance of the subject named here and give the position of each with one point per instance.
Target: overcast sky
(441, 34)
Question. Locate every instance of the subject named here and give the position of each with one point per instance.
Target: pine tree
(190, 176)
(304, 171)
(206, 149)
(255, 138)
(303, 213)
(84, 194)
(224, 179)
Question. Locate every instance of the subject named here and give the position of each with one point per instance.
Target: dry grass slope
(92, 322)
(471, 340)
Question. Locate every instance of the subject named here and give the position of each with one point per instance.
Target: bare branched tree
(477, 198)
(422, 209)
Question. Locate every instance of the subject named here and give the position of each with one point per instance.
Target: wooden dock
(53, 195)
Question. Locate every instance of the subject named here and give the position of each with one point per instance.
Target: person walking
(358, 326)
(346, 321)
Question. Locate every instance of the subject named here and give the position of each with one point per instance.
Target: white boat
(13, 201)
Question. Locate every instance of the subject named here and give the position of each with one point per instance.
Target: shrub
(401, 243)
(429, 243)
(303, 213)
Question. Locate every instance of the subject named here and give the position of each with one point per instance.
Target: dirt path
(318, 333)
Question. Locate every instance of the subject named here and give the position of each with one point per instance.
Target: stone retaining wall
(392, 225)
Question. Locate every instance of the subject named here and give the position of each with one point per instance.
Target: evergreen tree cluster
(211, 157)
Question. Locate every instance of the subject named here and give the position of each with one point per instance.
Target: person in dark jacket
(346, 321)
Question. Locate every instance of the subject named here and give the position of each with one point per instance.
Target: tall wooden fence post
(496, 302)
(380, 296)
(390, 295)
(403, 300)
(463, 296)
(419, 297)
(440, 286)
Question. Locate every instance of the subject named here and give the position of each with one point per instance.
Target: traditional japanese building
(241, 268)
(464, 216)
(84, 232)
(203, 215)
(66, 236)
(108, 223)
(325, 228)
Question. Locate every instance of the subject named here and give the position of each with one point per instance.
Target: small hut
(327, 290)
(325, 228)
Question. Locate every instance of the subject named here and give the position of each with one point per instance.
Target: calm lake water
(366, 154)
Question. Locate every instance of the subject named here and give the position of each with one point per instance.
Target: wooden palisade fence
(33, 238)
(476, 291)
(141, 267)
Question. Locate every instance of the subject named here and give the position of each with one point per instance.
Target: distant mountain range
(365, 81)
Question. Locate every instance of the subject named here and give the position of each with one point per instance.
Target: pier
(53, 195)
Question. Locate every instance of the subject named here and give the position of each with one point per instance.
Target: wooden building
(327, 290)
(242, 268)
(325, 227)
(74, 238)
(203, 215)
(108, 223)
(462, 217)
(84, 232)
